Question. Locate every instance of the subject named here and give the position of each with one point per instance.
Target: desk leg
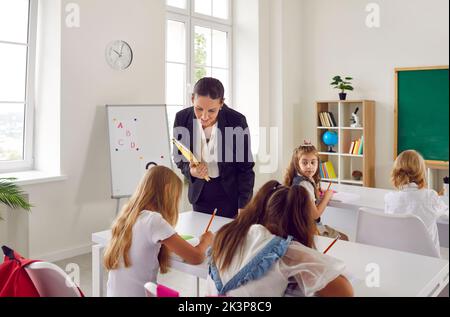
(198, 286)
(97, 271)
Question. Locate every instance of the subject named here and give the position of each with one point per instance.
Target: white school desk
(401, 274)
(369, 198)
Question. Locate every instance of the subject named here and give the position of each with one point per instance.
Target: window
(17, 47)
(198, 40)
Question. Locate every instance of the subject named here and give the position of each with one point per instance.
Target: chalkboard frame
(440, 165)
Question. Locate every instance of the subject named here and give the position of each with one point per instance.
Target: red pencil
(210, 220)
(331, 245)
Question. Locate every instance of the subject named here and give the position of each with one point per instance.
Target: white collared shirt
(206, 151)
(423, 203)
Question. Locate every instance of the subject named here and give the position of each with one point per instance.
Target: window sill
(33, 177)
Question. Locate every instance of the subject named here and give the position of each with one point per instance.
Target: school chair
(51, 281)
(398, 232)
(155, 290)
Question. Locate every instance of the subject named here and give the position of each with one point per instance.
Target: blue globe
(330, 138)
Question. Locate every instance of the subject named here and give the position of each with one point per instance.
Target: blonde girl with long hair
(143, 235)
(412, 196)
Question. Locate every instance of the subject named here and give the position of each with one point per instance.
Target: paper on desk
(345, 197)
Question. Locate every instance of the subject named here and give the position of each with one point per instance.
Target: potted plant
(343, 85)
(357, 175)
(12, 196)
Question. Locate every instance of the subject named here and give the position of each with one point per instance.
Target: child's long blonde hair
(159, 191)
(409, 167)
(294, 167)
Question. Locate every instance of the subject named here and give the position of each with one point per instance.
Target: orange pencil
(323, 193)
(331, 245)
(210, 220)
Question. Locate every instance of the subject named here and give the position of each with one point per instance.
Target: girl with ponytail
(270, 243)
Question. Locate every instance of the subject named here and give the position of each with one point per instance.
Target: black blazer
(237, 175)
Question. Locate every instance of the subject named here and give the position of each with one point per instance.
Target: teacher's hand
(200, 171)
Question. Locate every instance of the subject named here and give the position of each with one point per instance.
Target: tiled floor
(183, 283)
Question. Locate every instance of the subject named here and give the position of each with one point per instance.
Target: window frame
(29, 103)
(219, 27)
(193, 19)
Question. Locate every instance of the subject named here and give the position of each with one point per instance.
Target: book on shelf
(356, 150)
(361, 147)
(326, 119)
(327, 170)
(322, 120)
(333, 120)
(330, 169)
(352, 146)
(357, 147)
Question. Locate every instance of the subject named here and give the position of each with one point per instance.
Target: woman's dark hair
(209, 87)
(282, 210)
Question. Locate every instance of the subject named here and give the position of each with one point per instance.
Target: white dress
(148, 232)
(423, 203)
(309, 268)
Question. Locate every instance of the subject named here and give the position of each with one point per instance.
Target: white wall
(304, 43)
(336, 41)
(66, 213)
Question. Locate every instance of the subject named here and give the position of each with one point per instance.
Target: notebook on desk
(345, 197)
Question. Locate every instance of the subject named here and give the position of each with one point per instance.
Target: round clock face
(119, 55)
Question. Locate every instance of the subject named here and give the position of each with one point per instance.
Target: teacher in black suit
(219, 137)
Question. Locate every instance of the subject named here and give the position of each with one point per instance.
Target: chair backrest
(150, 289)
(399, 232)
(51, 281)
(155, 290)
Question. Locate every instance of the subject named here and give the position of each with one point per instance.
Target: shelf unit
(343, 162)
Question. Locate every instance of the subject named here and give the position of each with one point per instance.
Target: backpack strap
(12, 255)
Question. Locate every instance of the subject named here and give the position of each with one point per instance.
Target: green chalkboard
(423, 112)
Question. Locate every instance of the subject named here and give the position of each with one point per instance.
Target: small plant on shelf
(342, 85)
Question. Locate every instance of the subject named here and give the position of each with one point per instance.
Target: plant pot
(342, 96)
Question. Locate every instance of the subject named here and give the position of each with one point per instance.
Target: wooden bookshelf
(345, 163)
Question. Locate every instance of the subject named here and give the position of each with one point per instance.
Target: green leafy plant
(342, 84)
(12, 196)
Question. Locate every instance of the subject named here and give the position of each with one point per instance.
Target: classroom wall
(336, 41)
(66, 213)
(280, 80)
(300, 49)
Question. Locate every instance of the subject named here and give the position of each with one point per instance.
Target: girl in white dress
(269, 245)
(408, 177)
(143, 234)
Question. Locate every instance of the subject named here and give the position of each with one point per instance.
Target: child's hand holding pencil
(207, 237)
